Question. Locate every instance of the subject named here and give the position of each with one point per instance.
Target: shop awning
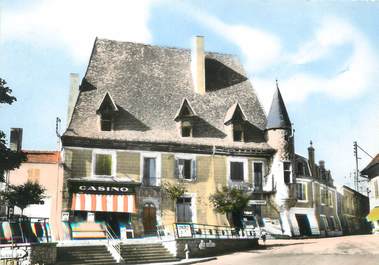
(103, 203)
(373, 215)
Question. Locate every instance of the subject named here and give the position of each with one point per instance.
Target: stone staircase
(146, 253)
(92, 255)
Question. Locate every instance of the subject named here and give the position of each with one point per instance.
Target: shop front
(98, 208)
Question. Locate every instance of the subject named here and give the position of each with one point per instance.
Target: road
(347, 250)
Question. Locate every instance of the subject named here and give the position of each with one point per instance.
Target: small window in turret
(287, 172)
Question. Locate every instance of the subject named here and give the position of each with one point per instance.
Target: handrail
(113, 244)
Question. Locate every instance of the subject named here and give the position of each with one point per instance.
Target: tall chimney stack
(311, 159)
(73, 94)
(198, 64)
(15, 143)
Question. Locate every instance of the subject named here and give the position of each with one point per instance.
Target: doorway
(149, 219)
(304, 226)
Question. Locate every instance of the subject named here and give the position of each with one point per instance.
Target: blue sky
(325, 55)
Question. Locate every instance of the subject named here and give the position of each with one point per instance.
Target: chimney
(15, 143)
(311, 159)
(198, 64)
(73, 94)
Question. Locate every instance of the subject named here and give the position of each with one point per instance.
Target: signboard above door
(97, 187)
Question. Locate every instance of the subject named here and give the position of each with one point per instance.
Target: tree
(9, 159)
(174, 191)
(232, 202)
(24, 195)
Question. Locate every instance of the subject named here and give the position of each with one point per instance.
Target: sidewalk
(184, 261)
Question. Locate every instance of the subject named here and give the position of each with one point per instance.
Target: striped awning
(103, 203)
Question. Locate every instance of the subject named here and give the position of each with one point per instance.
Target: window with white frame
(301, 191)
(186, 167)
(151, 167)
(103, 163)
(184, 212)
(330, 198)
(237, 170)
(324, 196)
(287, 172)
(376, 189)
(258, 173)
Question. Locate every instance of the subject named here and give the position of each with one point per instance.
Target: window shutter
(194, 171)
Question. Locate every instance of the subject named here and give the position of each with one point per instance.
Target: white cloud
(73, 25)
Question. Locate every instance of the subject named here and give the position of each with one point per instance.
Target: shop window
(258, 175)
(287, 172)
(103, 165)
(301, 191)
(324, 222)
(184, 210)
(236, 171)
(331, 223)
(149, 171)
(186, 129)
(186, 168)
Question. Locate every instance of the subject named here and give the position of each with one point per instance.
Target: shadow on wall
(218, 75)
(204, 129)
(126, 121)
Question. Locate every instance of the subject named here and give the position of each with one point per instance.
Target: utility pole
(356, 175)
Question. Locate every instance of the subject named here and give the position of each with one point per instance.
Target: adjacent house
(43, 167)
(372, 173)
(315, 212)
(353, 208)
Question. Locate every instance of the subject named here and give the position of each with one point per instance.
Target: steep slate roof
(148, 84)
(278, 116)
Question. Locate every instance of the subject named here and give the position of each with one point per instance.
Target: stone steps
(91, 255)
(146, 253)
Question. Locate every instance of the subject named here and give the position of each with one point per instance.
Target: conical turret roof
(278, 117)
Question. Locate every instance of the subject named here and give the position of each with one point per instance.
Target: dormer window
(107, 111)
(185, 116)
(186, 129)
(237, 133)
(235, 118)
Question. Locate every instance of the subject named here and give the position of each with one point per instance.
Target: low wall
(35, 253)
(213, 247)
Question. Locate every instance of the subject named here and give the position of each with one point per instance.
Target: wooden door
(149, 219)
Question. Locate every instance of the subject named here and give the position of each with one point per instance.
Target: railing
(192, 230)
(113, 244)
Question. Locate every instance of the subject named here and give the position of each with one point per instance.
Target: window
(184, 210)
(330, 198)
(331, 223)
(106, 121)
(149, 171)
(103, 164)
(301, 191)
(324, 196)
(300, 169)
(33, 174)
(258, 175)
(287, 172)
(237, 133)
(376, 189)
(236, 171)
(186, 129)
(186, 168)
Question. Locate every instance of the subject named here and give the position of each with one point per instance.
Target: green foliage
(174, 191)
(5, 93)
(8, 159)
(229, 200)
(24, 195)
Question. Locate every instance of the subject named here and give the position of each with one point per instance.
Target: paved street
(348, 250)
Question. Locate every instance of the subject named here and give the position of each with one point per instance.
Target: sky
(324, 54)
